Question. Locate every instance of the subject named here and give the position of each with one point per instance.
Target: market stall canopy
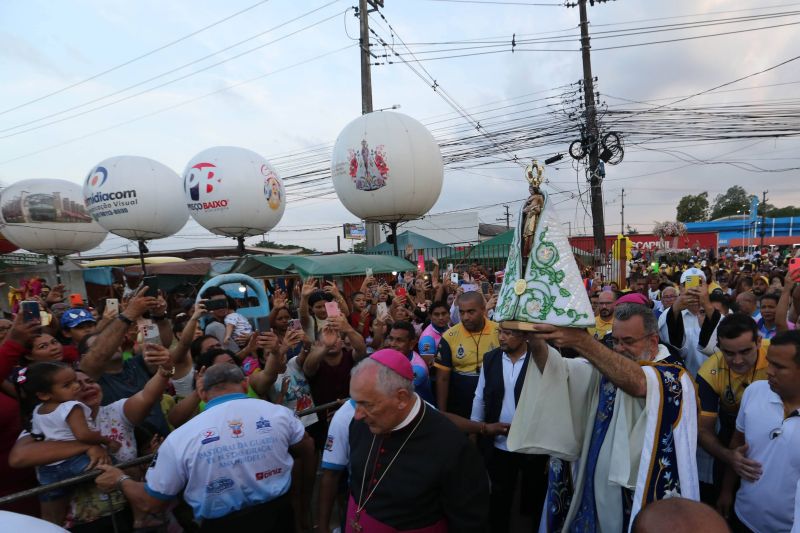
(495, 248)
(192, 267)
(417, 241)
(126, 261)
(321, 265)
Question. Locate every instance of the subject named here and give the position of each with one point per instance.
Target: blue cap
(75, 316)
(427, 345)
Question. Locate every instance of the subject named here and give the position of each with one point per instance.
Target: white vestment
(556, 415)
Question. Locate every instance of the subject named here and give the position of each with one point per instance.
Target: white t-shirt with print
(336, 455)
(298, 396)
(235, 454)
(112, 423)
(240, 325)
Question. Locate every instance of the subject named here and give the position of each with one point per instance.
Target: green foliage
(734, 200)
(693, 208)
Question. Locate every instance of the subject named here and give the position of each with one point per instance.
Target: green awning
(320, 265)
(417, 241)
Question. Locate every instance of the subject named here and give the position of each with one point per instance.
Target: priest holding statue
(620, 425)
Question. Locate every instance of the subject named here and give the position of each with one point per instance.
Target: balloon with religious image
(542, 283)
(135, 197)
(387, 167)
(233, 191)
(47, 216)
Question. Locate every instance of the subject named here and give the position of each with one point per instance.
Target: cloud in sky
(307, 106)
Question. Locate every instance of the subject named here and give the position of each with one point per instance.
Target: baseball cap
(692, 272)
(75, 316)
(427, 345)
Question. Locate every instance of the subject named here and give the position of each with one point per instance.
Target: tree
(734, 201)
(359, 247)
(781, 212)
(693, 208)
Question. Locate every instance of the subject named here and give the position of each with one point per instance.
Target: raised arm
(327, 341)
(356, 340)
(138, 406)
(158, 313)
(179, 354)
(782, 311)
(333, 290)
(621, 371)
(108, 341)
(309, 286)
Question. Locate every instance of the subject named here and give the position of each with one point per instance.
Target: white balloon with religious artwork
(47, 216)
(233, 191)
(135, 197)
(387, 167)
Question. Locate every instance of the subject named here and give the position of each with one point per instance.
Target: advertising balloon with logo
(233, 191)
(135, 197)
(47, 216)
(387, 167)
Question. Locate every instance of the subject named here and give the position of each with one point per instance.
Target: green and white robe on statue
(553, 290)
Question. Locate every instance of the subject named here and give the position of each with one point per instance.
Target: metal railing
(91, 474)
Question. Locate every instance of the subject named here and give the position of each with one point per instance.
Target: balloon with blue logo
(233, 191)
(47, 216)
(135, 197)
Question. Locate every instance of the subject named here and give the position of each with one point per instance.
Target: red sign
(647, 242)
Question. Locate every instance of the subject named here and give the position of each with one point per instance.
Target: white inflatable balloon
(233, 192)
(135, 197)
(387, 167)
(48, 217)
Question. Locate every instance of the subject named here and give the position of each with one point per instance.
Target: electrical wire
(135, 59)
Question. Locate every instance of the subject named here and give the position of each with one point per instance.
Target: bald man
(748, 304)
(679, 515)
(460, 355)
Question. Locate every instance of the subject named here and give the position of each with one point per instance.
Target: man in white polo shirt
(768, 432)
(335, 460)
(233, 461)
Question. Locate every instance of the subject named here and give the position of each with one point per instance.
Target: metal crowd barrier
(90, 475)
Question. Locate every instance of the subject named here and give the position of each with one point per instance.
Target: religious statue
(542, 283)
(533, 206)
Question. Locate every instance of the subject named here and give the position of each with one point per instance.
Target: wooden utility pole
(763, 215)
(507, 217)
(595, 180)
(373, 230)
(622, 214)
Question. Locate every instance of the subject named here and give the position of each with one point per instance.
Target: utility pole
(763, 215)
(622, 213)
(507, 217)
(372, 229)
(595, 180)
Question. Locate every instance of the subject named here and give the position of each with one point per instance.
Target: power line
(135, 59)
(169, 82)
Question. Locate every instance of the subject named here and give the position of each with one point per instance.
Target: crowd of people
(404, 406)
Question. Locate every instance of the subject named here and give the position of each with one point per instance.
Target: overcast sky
(47, 46)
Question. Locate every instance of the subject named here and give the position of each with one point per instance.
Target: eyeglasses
(628, 341)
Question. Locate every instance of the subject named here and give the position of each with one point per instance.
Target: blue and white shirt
(235, 454)
(336, 455)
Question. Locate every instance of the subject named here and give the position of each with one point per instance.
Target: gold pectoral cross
(354, 523)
